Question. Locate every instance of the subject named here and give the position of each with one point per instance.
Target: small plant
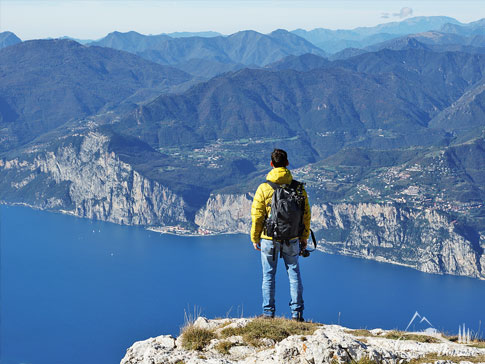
(276, 329)
(224, 346)
(196, 338)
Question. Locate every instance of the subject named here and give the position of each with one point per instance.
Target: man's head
(279, 158)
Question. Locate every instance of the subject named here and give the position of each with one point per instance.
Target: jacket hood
(280, 175)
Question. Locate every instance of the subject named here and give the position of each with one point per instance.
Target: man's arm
(258, 214)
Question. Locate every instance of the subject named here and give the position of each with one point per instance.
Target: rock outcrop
(424, 239)
(327, 344)
(82, 177)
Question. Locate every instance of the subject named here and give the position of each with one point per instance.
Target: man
(270, 250)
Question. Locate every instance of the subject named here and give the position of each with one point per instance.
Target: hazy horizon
(92, 19)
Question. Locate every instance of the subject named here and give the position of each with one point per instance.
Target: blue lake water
(79, 291)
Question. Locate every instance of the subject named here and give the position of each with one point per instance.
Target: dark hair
(279, 158)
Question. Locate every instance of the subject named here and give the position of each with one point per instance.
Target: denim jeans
(269, 259)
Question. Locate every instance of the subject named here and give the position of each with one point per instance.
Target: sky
(93, 19)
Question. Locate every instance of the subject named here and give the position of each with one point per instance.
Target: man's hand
(304, 243)
(256, 246)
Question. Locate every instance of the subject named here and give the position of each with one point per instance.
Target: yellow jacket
(262, 204)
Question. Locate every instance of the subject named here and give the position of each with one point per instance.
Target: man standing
(270, 246)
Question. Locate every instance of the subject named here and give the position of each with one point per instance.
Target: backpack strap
(275, 186)
(294, 184)
(314, 241)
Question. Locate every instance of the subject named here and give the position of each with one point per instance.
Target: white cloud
(404, 13)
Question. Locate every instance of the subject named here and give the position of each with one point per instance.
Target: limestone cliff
(427, 239)
(226, 213)
(82, 177)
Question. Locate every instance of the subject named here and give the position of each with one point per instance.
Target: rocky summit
(243, 340)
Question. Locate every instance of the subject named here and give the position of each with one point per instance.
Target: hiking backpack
(285, 220)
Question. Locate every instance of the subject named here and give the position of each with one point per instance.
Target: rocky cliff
(424, 239)
(226, 213)
(315, 343)
(82, 177)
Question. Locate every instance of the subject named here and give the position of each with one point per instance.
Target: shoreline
(179, 231)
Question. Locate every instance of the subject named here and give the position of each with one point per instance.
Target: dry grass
(365, 361)
(432, 357)
(195, 338)
(395, 335)
(359, 332)
(224, 346)
(478, 344)
(276, 329)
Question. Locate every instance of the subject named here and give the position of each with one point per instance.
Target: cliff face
(226, 213)
(427, 240)
(82, 177)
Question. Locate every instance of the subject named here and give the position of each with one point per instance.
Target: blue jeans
(269, 259)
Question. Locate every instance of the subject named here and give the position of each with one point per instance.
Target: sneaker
(263, 316)
(298, 318)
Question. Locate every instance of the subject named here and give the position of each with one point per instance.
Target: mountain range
(244, 48)
(396, 129)
(46, 83)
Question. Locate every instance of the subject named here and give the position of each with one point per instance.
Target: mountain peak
(8, 38)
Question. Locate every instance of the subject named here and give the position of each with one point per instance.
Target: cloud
(404, 13)
(385, 15)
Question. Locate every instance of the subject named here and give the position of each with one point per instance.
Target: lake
(80, 291)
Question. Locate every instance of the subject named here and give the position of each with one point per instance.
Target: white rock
(330, 342)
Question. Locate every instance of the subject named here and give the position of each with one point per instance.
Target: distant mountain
(193, 34)
(242, 48)
(397, 44)
(333, 41)
(61, 80)
(80, 41)
(417, 24)
(132, 42)
(433, 40)
(207, 69)
(305, 62)
(465, 113)
(470, 29)
(347, 53)
(8, 39)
